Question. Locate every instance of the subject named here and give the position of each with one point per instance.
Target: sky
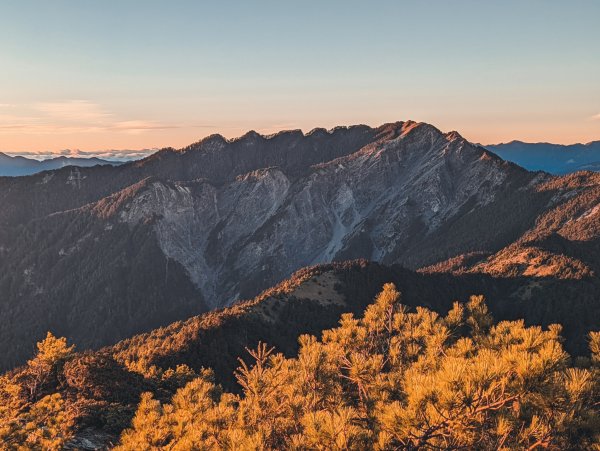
(129, 74)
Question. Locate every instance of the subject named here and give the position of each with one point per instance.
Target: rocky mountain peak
(211, 142)
(222, 219)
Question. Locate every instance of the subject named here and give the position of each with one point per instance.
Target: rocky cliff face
(383, 202)
(112, 251)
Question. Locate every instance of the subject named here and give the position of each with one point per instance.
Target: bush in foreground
(392, 380)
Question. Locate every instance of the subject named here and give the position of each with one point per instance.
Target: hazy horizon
(132, 154)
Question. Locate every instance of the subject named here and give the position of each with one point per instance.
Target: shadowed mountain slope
(101, 389)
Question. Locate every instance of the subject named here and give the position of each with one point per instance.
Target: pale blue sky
(133, 74)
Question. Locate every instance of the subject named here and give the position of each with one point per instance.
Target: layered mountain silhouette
(103, 253)
(18, 165)
(554, 158)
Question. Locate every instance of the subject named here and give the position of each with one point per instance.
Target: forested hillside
(392, 378)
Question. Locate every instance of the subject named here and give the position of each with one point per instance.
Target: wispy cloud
(78, 111)
(596, 117)
(140, 126)
(74, 116)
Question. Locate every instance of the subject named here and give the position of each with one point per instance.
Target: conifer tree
(392, 379)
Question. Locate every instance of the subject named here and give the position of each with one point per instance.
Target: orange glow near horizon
(523, 71)
(95, 140)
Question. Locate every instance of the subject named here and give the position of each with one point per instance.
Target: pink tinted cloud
(73, 116)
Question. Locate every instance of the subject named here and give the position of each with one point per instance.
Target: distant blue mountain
(15, 166)
(553, 158)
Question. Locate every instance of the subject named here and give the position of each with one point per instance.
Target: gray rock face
(375, 203)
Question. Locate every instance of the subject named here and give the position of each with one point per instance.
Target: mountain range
(554, 158)
(18, 165)
(119, 250)
(185, 258)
